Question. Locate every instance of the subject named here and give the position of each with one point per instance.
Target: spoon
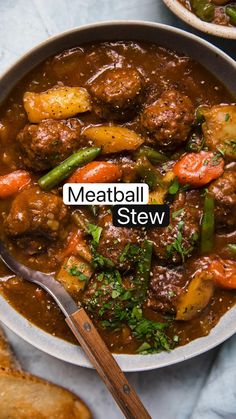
(88, 337)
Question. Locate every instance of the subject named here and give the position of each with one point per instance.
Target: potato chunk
(74, 274)
(113, 139)
(219, 129)
(196, 298)
(60, 102)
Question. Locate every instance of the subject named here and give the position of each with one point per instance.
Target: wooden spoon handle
(106, 366)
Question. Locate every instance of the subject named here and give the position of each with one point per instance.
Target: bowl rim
(72, 353)
(106, 23)
(189, 17)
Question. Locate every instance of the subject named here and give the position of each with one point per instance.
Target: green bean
(56, 175)
(148, 172)
(80, 220)
(203, 9)
(231, 12)
(208, 224)
(154, 156)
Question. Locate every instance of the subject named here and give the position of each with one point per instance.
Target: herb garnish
(99, 261)
(95, 232)
(149, 330)
(174, 187)
(231, 143)
(178, 245)
(176, 214)
(74, 271)
(130, 251)
(120, 302)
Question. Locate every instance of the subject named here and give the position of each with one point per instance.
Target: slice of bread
(7, 358)
(23, 396)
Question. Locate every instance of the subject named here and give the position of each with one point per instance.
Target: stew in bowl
(122, 112)
(219, 12)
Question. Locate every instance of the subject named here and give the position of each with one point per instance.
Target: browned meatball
(224, 191)
(100, 296)
(165, 287)
(169, 119)
(45, 145)
(116, 93)
(35, 218)
(177, 242)
(114, 240)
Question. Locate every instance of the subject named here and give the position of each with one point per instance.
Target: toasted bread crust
(7, 358)
(25, 396)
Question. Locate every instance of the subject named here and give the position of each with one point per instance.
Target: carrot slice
(198, 169)
(223, 273)
(13, 182)
(70, 248)
(96, 171)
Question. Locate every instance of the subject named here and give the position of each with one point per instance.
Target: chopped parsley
(115, 294)
(216, 159)
(176, 338)
(130, 251)
(227, 117)
(196, 142)
(99, 261)
(152, 332)
(177, 213)
(74, 271)
(144, 348)
(118, 302)
(231, 143)
(221, 151)
(178, 244)
(200, 118)
(171, 294)
(174, 187)
(95, 232)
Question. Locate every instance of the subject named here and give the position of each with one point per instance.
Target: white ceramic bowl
(211, 28)
(215, 61)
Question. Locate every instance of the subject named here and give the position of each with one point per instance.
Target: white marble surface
(169, 393)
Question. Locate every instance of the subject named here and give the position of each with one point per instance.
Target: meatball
(117, 93)
(224, 191)
(114, 240)
(128, 167)
(35, 218)
(103, 294)
(45, 145)
(165, 287)
(169, 119)
(176, 242)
